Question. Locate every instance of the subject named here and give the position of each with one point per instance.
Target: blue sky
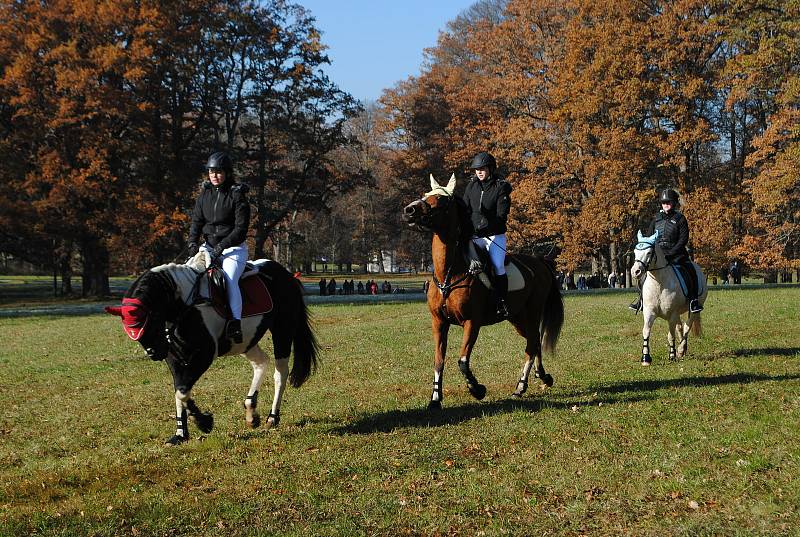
(374, 44)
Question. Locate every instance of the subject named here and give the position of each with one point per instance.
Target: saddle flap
(256, 298)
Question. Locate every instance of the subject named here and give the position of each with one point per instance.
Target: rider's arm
(504, 201)
(198, 220)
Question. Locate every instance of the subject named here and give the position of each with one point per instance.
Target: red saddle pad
(256, 299)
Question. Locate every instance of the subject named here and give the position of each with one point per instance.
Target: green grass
(709, 445)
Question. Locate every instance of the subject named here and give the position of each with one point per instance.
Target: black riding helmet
(220, 160)
(668, 195)
(483, 159)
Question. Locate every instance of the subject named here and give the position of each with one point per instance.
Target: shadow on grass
(689, 382)
(385, 422)
(642, 390)
(768, 351)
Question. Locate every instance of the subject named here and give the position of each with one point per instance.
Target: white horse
(663, 296)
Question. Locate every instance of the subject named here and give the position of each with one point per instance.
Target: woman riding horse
(488, 198)
(222, 215)
(460, 297)
(673, 236)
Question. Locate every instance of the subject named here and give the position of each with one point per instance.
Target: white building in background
(374, 265)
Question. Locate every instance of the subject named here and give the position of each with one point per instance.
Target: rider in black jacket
(673, 236)
(222, 216)
(488, 198)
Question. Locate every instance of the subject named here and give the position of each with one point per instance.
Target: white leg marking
(280, 376)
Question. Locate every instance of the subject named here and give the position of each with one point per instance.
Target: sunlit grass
(708, 445)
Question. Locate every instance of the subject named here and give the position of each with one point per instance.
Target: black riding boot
(694, 303)
(234, 330)
(501, 290)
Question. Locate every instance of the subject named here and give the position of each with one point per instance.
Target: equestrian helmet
(220, 160)
(668, 196)
(483, 159)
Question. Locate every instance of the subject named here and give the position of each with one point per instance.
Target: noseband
(647, 246)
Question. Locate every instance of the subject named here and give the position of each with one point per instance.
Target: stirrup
(635, 306)
(695, 306)
(502, 309)
(234, 330)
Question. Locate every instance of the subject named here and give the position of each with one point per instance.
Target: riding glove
(192, 249)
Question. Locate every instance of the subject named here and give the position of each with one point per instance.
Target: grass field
(709, 445)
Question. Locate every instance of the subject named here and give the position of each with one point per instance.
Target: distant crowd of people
(568, 282)
(349, 287)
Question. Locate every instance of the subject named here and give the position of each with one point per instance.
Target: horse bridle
(646, 266)
(447, 286)
(426, 218)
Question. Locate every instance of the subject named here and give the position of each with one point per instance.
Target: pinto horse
(459, 297)
(663, 296)
(161, 312)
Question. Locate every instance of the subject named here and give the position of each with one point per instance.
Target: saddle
(481, 266)
(256, 298)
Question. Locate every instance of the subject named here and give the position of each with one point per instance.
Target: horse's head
(142, 317)
(643, 253)
(429, 213)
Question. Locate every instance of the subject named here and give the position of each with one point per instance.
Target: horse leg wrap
(436, 397)
(672, 353)
(203, 420)
(646, 359)
(250, 404)
(477, 389)
(181, 430)
(275, 419)
(522, 387)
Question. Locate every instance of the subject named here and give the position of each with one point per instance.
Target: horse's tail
(306, 347)
(552, 316)
(697, 325)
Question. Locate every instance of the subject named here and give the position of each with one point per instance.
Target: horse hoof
(478, 392)
(255, 422)
(175, 440)
(517, 395)
(272, 421)
(547, 380)
(435, 405)
(646, 360)
(204, 421)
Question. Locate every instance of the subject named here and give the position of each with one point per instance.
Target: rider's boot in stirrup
(501, 289)
(695, 306)
(234, 330)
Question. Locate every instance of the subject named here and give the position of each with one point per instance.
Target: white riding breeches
(496, 246)
(233, 263)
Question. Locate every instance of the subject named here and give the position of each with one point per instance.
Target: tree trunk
(95, 269)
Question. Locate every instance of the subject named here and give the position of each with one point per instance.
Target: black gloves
(191, 249)
(218, 250)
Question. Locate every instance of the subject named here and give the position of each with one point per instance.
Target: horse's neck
(447, 256)
(184, 278)
(662, 273)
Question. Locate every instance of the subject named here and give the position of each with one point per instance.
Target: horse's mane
(164, 280)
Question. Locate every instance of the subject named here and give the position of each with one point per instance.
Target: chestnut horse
(459, 297)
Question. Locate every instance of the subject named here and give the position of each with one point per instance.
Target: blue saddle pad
(681, 280)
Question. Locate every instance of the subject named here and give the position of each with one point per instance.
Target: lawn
(709, 445)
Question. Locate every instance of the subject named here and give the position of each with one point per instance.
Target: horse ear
(114, 310)
(451, 184)
(639, 236)
(434, 184)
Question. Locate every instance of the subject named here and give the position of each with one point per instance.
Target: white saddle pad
(515, 279)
